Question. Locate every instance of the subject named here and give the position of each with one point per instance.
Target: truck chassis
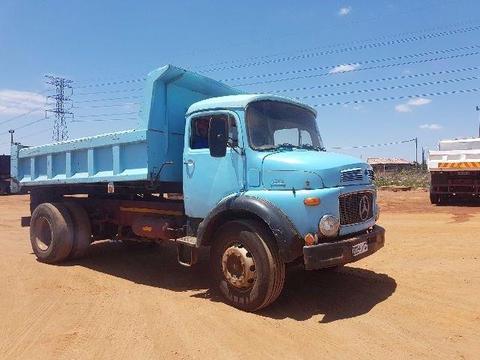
(462, 185)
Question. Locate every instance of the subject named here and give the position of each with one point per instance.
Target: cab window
(200, 126)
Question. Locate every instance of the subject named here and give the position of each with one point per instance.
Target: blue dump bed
(133, 155)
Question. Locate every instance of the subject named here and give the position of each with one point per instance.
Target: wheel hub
(43, 236)
(238, 267)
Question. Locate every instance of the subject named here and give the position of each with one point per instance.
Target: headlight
(329, 225)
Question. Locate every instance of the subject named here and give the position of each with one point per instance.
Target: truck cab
(265, 159)
(256, 185)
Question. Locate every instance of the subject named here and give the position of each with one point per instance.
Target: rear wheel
(51, 232)
(82, 230)
(443, 199)
(4, 188)
(246, 266)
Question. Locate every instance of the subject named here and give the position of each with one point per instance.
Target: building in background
(382, 165)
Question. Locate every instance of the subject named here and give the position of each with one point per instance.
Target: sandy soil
(419, 297)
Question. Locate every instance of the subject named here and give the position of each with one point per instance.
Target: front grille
(351, 175)
(356, 207)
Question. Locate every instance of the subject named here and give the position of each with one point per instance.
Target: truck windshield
(274, 124)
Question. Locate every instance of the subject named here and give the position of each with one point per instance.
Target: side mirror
(217, 137)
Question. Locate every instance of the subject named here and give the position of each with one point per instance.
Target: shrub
(414, 178)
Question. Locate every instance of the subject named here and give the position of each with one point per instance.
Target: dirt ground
(419, 297)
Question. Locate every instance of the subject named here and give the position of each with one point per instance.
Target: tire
(443, 200)
(82, 230)
(4, 188)
(251, 241)
(51, 232)
(434, 198)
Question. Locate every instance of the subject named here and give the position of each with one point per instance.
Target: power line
(345, 43)
(104, 120)
(36, 133)
(105, 106)
(383, 66)
(353, 64)
(359, 41)
(108, 92)
(30, 124)
(368, 81)
(431, 35)
(100, 115)
(109, 99)
(373, 145)
(111, 83)
(21, 115)
(31, 111)
(376, 45)
(387, 88)
(26, 125)
(350, 23)
(74, 120)
(322, 53)
(402, 97)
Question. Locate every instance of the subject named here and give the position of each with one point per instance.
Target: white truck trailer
(455, 170)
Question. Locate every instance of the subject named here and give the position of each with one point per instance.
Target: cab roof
(240, 101)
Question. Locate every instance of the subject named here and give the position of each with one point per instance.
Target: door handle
(189, 162)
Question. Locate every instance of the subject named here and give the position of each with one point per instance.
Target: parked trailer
(4, 174)
(455, 170)
(245, 174)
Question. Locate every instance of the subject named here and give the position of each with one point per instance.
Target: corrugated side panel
(120, 156)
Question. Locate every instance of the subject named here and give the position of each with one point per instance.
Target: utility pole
(478, 110)
(423, 157)
(60, 131)
(416, 151)
(11, 131)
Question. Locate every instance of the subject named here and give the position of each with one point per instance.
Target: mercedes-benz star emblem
(364, 207)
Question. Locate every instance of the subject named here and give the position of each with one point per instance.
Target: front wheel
(246, 265)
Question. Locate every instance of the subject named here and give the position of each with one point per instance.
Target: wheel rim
(43, 236)
(238, 267)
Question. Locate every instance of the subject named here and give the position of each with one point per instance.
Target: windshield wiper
(287, 146)
(312, 147)
(283, 146)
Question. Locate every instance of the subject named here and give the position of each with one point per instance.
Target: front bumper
(326, 255)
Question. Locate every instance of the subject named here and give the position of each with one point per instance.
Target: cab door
(207, 179)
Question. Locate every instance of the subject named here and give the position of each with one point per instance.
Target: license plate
(359, 248)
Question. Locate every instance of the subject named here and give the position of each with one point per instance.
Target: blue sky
(338, 51)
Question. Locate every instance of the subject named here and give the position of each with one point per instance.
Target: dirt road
(419, 297)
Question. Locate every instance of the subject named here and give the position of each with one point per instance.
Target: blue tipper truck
(208, 165)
